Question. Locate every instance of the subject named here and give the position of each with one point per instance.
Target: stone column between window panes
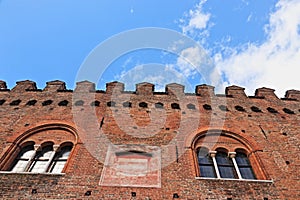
(232, 156)
(55, 148)
(212, 154)
(36, 149)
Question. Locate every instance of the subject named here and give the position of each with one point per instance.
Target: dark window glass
(206, 164)
(225, 166)
(60, 159)
(244, 166)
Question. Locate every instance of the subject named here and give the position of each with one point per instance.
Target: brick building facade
(57, 143)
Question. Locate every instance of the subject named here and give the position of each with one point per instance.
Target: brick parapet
(271, 136)
(206, 91)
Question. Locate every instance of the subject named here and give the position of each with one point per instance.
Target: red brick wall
(271, 139)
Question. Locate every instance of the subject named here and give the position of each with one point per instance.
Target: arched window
(205, 162)
(42, 159)
(42, 149)
(244, 166)
(220, 164)
(23, 159)
(48, 158)
(230, 157)
(225, 165)
(60, 159)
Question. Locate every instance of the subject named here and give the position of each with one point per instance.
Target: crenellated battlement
(148, 89)
(112, 133)
(26, 94)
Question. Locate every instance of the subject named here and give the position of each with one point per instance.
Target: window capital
(231, 154)
(37, 147)
(55, 147)
(212, 153)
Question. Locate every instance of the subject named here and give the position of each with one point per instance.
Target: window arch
(221, 164)
(41, 149)
(23, 158)
(42, 159)
(205, 162)
(47, 158)
(227, 158)
(244, 165)
(225, 164)
(60, 159)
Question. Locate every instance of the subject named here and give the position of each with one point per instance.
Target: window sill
(32, 173)
(230, 179)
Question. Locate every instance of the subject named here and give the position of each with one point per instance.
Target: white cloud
(249, 18)
(125, 65)
(196, 19)
(195, 60)
(188, 60)
(158, 74)
(273, 63)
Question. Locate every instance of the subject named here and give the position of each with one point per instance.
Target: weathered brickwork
(161, 131)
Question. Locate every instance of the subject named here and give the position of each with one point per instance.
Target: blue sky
(248, 42)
